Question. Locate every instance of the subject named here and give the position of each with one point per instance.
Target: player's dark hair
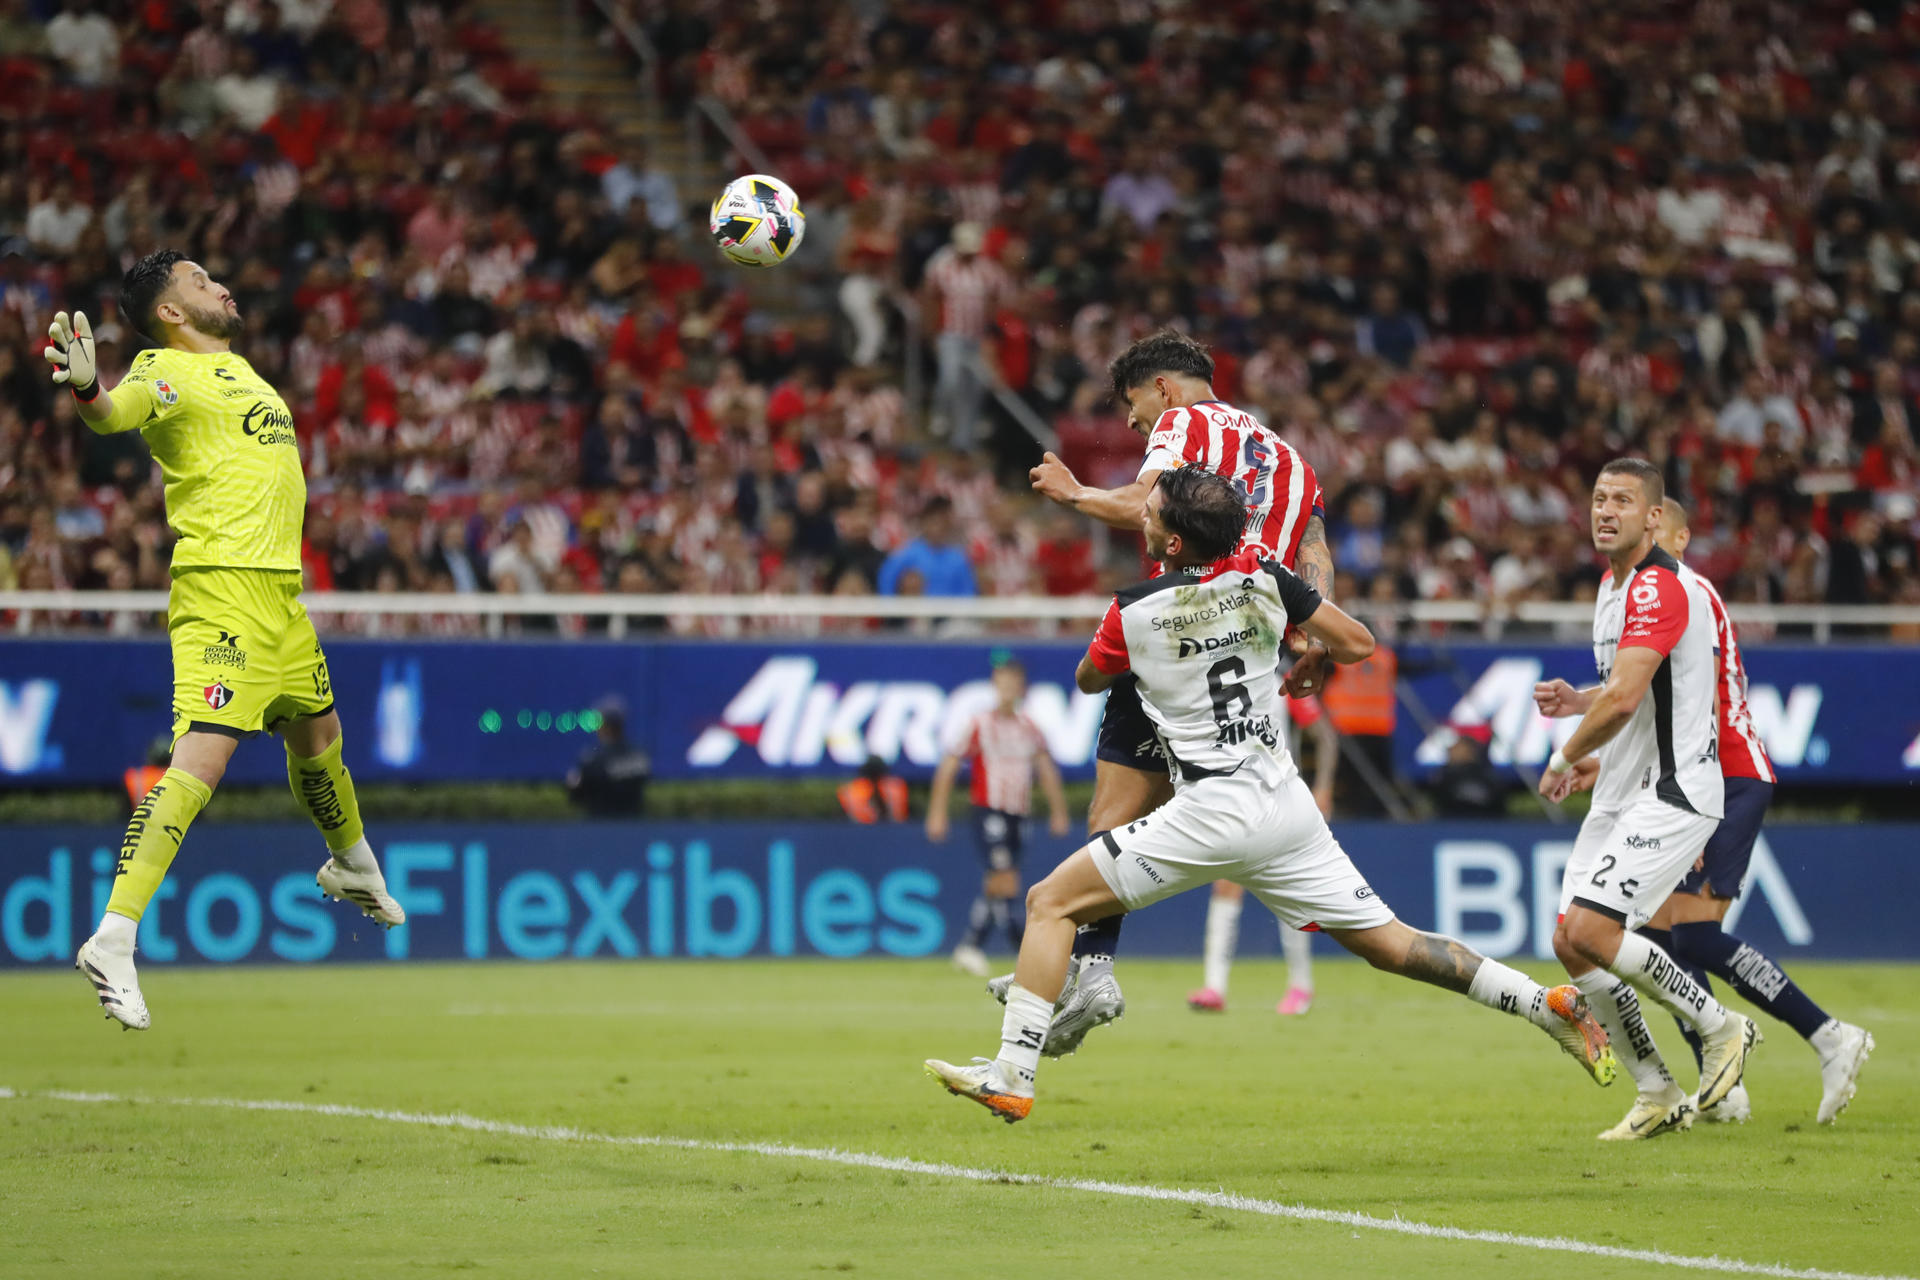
(142, 286)
(1158, 353)
(1208, 511)
(1651, 481)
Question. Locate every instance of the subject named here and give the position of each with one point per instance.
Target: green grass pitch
(1390, 1099)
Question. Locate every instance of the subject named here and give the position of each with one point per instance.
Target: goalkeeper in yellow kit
(245, 657)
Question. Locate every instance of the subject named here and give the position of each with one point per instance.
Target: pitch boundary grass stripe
(1222, 1200)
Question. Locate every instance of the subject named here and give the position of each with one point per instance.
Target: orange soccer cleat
(985, 1084)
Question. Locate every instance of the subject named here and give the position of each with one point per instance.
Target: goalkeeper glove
(70, 351)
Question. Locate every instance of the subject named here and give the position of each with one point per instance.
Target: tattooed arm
(1313, 565)
(1313, 562)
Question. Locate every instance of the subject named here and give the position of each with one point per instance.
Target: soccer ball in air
(757, 221)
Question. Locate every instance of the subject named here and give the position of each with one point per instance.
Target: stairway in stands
(551, 37)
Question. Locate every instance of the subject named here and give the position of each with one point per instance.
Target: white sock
(117, 932)
(1618, 1011)
(1826, 1038)
(1642, 962)
(1222, 937)
(359, 858)
(1298, 948)
(1505, 988)
(1023, 1032)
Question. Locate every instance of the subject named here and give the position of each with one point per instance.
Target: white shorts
(1627, 861)
(1270, 839)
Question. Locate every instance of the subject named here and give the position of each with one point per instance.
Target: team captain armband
(1656, 614)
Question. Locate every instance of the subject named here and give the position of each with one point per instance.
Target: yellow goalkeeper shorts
(245, 656)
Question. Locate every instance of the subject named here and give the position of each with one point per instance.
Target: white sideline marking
(895, 1164)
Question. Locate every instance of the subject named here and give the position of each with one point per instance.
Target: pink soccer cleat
(1297, 1001)
(1207, 1000)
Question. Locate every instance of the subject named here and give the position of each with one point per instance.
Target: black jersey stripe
(1141, 590)
(1668, 787)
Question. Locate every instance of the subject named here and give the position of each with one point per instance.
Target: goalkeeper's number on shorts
(70, 352)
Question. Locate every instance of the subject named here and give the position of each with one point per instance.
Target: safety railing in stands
(643, 49)
(913, 354)
(709, 111)
(1818, 623)
(913, 379)
(1016, 408)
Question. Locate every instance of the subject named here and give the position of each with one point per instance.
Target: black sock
(978, 916)
(1663, 939)
(1100, 940)
(1748, 971)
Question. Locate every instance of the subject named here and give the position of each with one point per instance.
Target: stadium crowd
(1457, 254)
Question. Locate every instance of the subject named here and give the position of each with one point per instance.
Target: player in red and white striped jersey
(1742, 753)
(1166, 380)
(1689, 925)
(1005, 751)
(1283, 496)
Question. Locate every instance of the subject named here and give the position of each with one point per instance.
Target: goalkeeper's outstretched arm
(70, 352)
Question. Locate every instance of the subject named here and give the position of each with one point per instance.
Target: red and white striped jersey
(1282, 491)
(1000, 749)
(1742, 753)
(970, 289)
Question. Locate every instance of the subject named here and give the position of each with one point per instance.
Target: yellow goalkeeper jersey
(224, 439)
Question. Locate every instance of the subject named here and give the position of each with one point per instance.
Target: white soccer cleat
(1723, 1056)
(1653, 1113)
(1843, 1050)
(1078, 1010)
(984, 1083)
(1092, 999)
(366, 890)
(115, 983)
(1735, 1108)
(973, 960)
(998, 987)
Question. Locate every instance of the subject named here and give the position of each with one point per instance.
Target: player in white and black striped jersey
(1648, 748)
(1689, 924)
(1206, 640)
